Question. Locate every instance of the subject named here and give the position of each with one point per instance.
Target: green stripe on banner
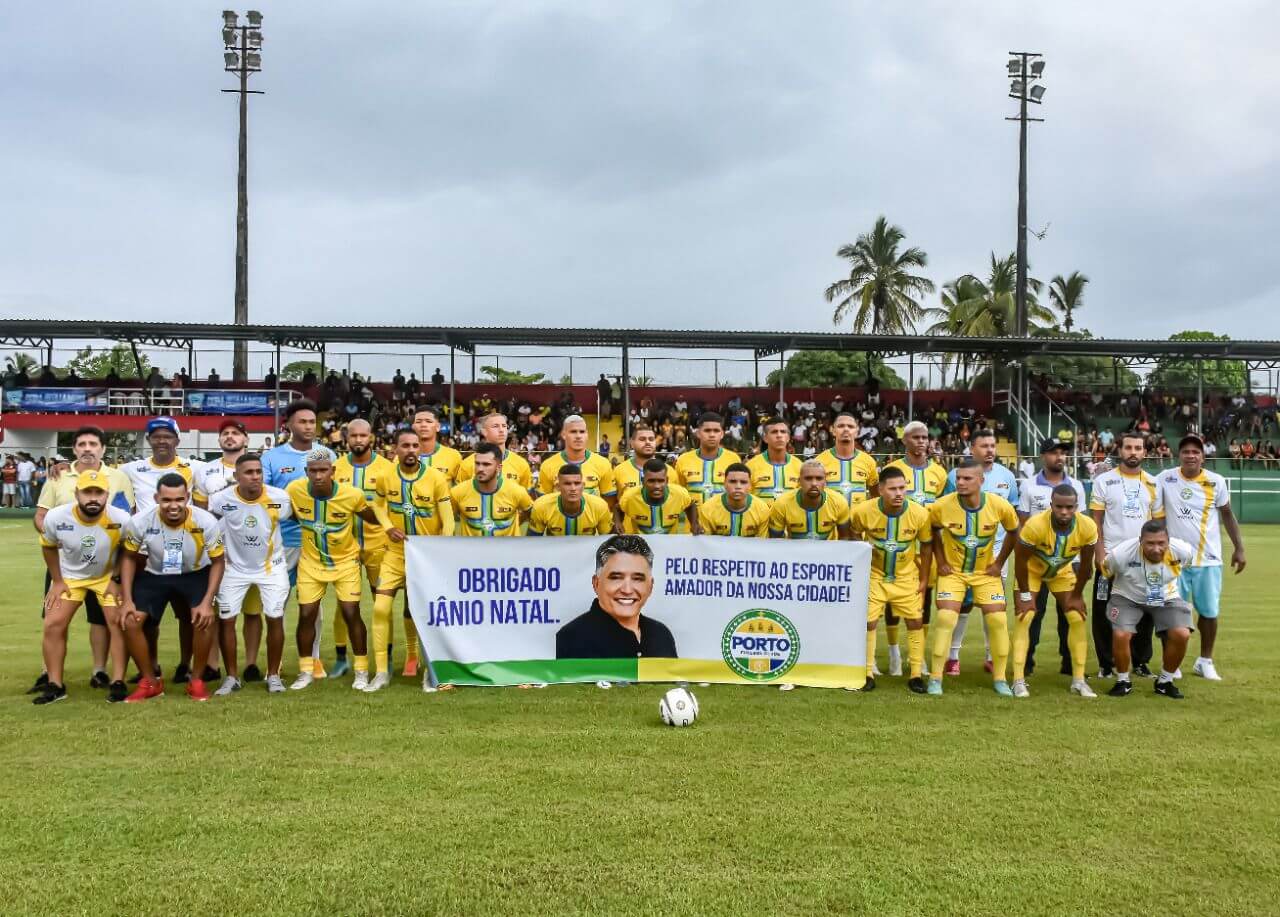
(525, 671)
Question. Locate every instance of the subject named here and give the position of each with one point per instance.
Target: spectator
(398, 383)
(26, 474)
(214, 378)
(605, 448)
(9, 482)
(604, 395)
(269, 380)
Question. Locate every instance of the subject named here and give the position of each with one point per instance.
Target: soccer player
(1123, 499)
(211, 477)
(326, 512)
(850, 472)
(433, 453)
(701, 471)
(1003, 483)
(1194, 502)
(965, 526)
(630, 474)
(570, 511)
(899, 531)
(487, 502)
(736, 512)
(597, 471)
(145, 474)
(173, 555)
(657, 507)
(494, 430)
(80, 542)
(251, 514)
(1144, 574)
(1048, 545)
(417, 502)
(367, 471)
(775, 470)
(815, 511)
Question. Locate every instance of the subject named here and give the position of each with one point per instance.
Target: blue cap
(162, 423)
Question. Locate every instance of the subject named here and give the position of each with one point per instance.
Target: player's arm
(129, 614)
(38, 521)
(924, 561)
(703, 524)
(444, 505)
(695, 523)
(1233, 532)
(56, 584)
(1099, 552)
(202, 615)
(1025, 602)
(1083, 575)
(940, 553)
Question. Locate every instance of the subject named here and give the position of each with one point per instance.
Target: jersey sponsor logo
(113, 526)
(64, 527)
(760, 645)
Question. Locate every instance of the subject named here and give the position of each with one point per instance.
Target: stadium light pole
(242, 55)
(1025, 73)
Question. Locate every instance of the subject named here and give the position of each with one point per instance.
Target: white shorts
(273, 590)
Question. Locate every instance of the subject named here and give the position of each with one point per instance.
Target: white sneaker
(360, 682)
(786, 687)
(275, 684)
(1020, 689)
(303, 680)
(1205, 669)
(875, 669)
(895, 662)
(1082, 688)
(1177, 673)
(380, 681)
(228, 687)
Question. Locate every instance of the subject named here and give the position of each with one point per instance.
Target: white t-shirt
(1191, 511)
(169, 551)
(251, 529)
(212, 477)
(86, 550)
(144, 475)
(1143, 582)
(26, 471)
(1035, 493)
(1127, 502)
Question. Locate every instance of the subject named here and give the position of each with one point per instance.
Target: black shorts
(153, 592)
(92, 607)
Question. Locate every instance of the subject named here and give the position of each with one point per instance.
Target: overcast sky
(676, 164)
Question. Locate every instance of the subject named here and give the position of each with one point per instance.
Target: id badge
(172, 562)
(1103, 589)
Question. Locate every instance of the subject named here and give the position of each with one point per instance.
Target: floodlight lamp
(253, 61)
(255, 18)
(229, 37)
(232, 59)
(230, 19)
(253, 38)
(1037, 93)
(1015, 66)
(1016, 87)
(1037, 68)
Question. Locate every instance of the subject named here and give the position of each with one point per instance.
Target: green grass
(576, 800)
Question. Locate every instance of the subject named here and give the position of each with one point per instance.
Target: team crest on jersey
(1186, 493)
(760, 645)
(251, 522)
(88, 542)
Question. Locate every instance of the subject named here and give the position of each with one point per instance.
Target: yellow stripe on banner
(806, 674)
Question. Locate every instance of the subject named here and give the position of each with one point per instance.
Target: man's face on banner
(623, 585)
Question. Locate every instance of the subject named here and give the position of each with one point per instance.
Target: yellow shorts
(985, 590)
(392, 576)
(904, 597)
(371, 560)
(345, 581)
(77, 589)
(1064, 581)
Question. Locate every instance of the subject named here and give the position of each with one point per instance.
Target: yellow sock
(944, 626)
(924, 636)
(361, 663)
(339, 629)
(306, 664)
(871, 648)
(1021, 643)
(891, 634)
(998, 632)
(915, 650)
(410, 639)
(381, 629)
(1078, 643)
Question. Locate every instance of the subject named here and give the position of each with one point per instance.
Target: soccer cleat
(99, 680)
(410, 669)
(935, 687)
(380, 681)
(787, 687)
(988, 667)
(197, 691)
(1106, 673)
(1121, 689)
(1002, 688)
(895, 662)
(137, 676)
(1019, 689)
(1206, 670)
(952, 667)
(1177, 674)
(1030, 667)
(275, 684)
(924, 668)
(916, 686)
(1169, 689)
(602, 685)
(317, 669)
(341, 667)
(210, 674)
(360, 682)
(1065, 668)
(303, 680)
(869, 684)
(875, 669)
(1142, 671)
(51, 694)
(229, 686)
(117, 692)
(182, 674)
(1082, 688)
(147, 689)
(252, 673)
(40, 684)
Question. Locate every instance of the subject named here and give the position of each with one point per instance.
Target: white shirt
(1035, 493)
(1191, 509)
(144, 475)
(1026, 470)
(86, 550)
(212, 477)
(26, 471)
(1127, 502)
(170, 551)
(251, 529)
(1146, 583)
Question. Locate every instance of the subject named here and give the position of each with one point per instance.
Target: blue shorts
(1202, 586)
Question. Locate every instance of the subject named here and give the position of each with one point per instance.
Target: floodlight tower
(1025, 73)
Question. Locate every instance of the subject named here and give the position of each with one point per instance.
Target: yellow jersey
(790, 519)
(418, 503)
(924, 485)
(752, 521)
(445, 460)
(852, 478)
(969, 535)
(371, 478)
(514, 469)
(597, 474)
(640, 517)
(703, 478)
(328, 530)
(482, 515)
(895, 540)
(770, 481)
(549, 518)
(628, 475)
(1052, 550)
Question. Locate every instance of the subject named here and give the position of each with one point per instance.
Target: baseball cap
(60, 459)
(93, 480)
(232, 422)
(1050, 444)
(162, 423)
(1191, 439)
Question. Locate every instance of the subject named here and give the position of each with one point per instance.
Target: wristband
(1026, 596)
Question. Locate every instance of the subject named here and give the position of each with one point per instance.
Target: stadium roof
(42, 332)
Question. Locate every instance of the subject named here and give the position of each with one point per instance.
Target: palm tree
(950, 319)
(881, 292)
(990, 307)
(1066, 294)
(17, 363)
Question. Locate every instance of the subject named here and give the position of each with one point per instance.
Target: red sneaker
(952, 667)
(988, 667)
(147, 689)
(196, 690)
(410, 668)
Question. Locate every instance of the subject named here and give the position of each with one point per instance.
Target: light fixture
(229, 37)
(254, 38)
(253, 61)
(1037, 68)
(1016, 87)
(230, 19)
(232, 59)
(1015, 67)
(255, 18)
(1037, 93)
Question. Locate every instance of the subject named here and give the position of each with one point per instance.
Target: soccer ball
(678, 707)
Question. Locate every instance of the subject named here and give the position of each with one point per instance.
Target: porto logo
(760, 645)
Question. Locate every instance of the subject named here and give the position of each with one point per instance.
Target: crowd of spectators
(21, 477)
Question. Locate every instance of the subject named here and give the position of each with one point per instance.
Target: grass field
(576, 800)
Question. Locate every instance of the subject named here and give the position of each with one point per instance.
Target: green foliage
(502, 376)
(22, 362)
(295, 371)
(1181, 375)
(97, 364)
(1066, 296)
(881, 292)
(818, 368)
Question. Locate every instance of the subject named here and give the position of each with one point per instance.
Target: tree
(295, 371)
(1066, 295)
(17, 363)
(1181, 374)
(950, 319)
(88, 364)
(990, 307)
(881, 292)
(502, 376)
(823, 368)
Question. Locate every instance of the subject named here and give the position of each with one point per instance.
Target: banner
(205, 401)
(507, 611)
(56, 400)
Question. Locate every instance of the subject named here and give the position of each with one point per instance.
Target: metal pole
(782, 372)
(1200, 397)
(626, 393)
(323, 369)
(715, 371)
(240, 356)
(911, 387)
(453, 438)
(571, 370)
(757, 362)
(473, 367)
(276, 431)
(191, 359)
(1021, 319)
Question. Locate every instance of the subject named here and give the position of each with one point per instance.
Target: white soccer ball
(678, 707)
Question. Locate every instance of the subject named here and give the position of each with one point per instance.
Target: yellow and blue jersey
(970, 536)
(789, 518)
(328, 530)
(549, 518)
(718, 518)
(628, 475)
(1052, 550)
(702, 477)
(642, 517)
(597, 474)
(852, 478)
(895, 540)
(514, 469)
(770, 481)
(445, 460)
(925, 484)
(482, 515)
(418, 504)
(369, 478)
